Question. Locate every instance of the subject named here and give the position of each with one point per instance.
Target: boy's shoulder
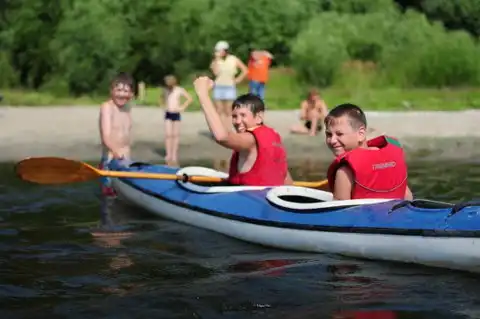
(104, 108)
(180, 88)
(106, 104)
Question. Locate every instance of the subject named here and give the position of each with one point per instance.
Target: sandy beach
(73, 132)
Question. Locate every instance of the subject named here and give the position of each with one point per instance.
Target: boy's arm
(323, 108)
(257, 54)
(188, 100)
(343, 183)
(105, 128)
(288, 179)
(303, 110)
(235, 141)
(243, 71)
(408, 194)
(162, 98)
(268, 54)
(213, 66)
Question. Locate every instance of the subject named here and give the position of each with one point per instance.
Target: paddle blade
(54, 170)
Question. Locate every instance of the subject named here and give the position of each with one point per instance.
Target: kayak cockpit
(305, 199)
(210, 188)
(294, 198)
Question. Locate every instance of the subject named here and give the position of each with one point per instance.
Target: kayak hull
(175, 201)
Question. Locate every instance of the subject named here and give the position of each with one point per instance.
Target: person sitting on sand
(115, 123)
(173, 109)
(313, 111)
(363, 169)
(259, 157)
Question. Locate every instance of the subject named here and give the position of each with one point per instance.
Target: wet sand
(73, 132)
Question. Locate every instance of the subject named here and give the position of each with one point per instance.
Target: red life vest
(378, 173)
(270, 167)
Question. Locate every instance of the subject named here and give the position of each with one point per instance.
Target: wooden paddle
(57, 170)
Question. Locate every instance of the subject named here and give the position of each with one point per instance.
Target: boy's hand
(117, 155)
(203, 85)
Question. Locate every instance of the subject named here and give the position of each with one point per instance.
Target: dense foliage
(73, 46)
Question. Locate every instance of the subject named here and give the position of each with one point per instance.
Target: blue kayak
(296, 218)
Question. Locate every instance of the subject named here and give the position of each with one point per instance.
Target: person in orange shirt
(258, 67)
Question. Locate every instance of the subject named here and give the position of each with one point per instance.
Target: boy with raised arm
(259, 157)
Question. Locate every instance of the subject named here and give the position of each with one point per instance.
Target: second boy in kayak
(363, 169)
(259, 158)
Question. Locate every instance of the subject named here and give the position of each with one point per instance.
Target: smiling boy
(363, 169)
(115, 124)
(259, 157)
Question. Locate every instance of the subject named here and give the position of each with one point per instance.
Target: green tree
(358, 6)
(266, 24)
(152, 50)
(30, 27)
(186, 22)
(90, 45)
(457, 14)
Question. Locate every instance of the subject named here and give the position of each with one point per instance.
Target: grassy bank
(285, 92)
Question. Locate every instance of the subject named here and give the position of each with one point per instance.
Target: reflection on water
(64, 254)
(107, 236)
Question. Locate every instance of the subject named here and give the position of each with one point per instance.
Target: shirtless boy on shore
(115, 123)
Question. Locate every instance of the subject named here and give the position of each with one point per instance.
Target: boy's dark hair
(253, 102)
(123, 78)
(355, 114)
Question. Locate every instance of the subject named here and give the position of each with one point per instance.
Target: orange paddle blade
(57, 170)
(54, 170)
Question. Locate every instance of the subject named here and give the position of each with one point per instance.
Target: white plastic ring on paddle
(204, 171)
(325, 198)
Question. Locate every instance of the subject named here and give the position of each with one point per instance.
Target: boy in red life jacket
(363, 169)
(259, 158)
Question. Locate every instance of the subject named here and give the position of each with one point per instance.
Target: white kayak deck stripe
(274, 196)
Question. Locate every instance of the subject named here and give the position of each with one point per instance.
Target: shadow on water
(59, 257)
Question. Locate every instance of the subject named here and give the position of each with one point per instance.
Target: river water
(61, 258)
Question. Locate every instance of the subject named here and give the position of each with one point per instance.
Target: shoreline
(73, 132)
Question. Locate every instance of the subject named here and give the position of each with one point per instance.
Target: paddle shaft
(184, 177)
(57, 170)
(187, 178)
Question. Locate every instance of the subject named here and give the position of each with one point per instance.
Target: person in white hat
(225, 67)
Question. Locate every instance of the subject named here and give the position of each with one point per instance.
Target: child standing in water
(173, 107)
(115, 123)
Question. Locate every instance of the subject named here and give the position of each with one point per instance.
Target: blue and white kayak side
(379, 229)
